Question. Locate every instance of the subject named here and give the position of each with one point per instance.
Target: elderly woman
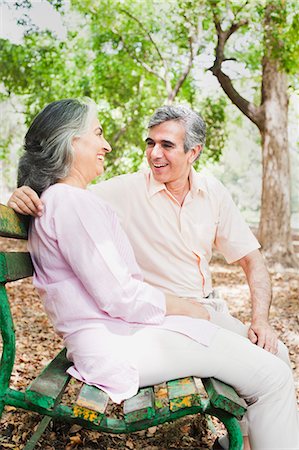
(120, 332)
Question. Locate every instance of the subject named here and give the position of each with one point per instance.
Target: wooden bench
(151, 406)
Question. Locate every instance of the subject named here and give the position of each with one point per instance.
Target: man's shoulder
(207, 181)
(128, 178)
(121, 181)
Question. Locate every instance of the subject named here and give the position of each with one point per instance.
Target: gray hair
(195, 128)
(48, 143)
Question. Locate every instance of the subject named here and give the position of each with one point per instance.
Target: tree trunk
(271, 118)
(274, 232)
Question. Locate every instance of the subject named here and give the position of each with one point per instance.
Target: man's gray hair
(193, 123)
(48, 143)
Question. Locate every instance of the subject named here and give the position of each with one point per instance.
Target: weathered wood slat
(140, 407)
(224, 397)
(91, 404)
(161, 398)
(12, 224)
(93, 398)
(15, 266)
(49, 386)
(182, 393)
(181, 387)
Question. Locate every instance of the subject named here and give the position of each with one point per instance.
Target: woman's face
(90, 149)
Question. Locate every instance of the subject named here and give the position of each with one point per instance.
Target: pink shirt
(92, 288)
(172, 243)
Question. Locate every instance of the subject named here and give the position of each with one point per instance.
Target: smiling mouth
(159, 166)
(100, 157)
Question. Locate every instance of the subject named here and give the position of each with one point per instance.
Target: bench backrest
(14, 265)
(13, 225)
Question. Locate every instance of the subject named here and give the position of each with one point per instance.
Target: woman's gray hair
(193, 123)
(48, 143)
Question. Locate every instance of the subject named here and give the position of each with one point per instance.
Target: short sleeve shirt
(172, 243)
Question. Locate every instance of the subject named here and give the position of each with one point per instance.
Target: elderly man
(174, 215)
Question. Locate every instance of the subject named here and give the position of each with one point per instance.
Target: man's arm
(260, 331)
(25, 200)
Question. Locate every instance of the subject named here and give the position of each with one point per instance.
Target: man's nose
(157, 151)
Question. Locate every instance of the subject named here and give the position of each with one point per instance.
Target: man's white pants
(261, 378)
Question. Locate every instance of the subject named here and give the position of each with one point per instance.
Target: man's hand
(262, 334)
(25, 200)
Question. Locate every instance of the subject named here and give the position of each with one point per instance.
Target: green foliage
(129, 56)
(214, 113)
(272, 28)
(119, 54)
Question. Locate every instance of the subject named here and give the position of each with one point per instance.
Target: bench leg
(37, 434)
(233, 429)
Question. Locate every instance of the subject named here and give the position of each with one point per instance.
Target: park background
(236, 62)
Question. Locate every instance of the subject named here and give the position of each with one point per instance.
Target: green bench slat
(15, 266)
(161, 398)
(181, 387)
(183, 393)
(49, 386)
(174, 395)
(91, 404)
(224, 397)
(93, 398)
(141, 406)
(12, 225)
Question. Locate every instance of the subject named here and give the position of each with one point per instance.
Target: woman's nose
(107, 146)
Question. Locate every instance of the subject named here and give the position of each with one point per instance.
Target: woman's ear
(74, 143)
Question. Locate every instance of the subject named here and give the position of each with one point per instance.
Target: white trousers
(162, 355)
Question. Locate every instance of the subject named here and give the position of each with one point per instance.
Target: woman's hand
(180, 306)
(25, 200)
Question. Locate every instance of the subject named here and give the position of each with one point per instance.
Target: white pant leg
(228, 322)
(161, 355)
(225, 320)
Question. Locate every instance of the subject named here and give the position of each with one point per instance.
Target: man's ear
(195, 153)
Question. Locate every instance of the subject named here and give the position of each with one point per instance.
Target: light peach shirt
(172, 243)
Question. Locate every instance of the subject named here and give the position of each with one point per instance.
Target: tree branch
(193, 51)
(183, 76)
(254, 113)
(165, 79)
(142, 63)
(146, 32)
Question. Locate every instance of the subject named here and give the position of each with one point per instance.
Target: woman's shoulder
(61, 195)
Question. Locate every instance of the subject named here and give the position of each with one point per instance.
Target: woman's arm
(178, 306)
(97, 251)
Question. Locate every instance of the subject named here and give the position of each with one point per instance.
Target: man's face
(165, 152)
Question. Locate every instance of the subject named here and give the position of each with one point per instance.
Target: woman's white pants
(264, 380)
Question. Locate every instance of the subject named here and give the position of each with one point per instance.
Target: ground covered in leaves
(37, 344)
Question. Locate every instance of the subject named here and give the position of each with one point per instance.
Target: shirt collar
(197, 182)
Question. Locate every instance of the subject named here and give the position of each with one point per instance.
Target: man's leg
(228, 322)
(161, 355)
